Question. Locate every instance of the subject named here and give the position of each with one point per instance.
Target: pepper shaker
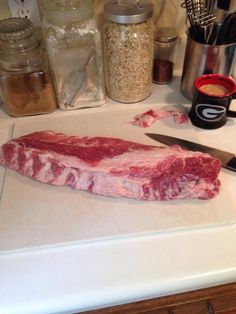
(164, 55)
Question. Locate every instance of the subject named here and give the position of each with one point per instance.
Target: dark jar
(25, 85)
(164, 55)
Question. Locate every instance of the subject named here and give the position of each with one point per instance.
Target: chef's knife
(228, 159)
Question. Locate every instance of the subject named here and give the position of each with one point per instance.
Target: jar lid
(63, 11)
(15, 28)
(128, 12)
(165, 34)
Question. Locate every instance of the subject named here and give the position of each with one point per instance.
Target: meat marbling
(113, 167)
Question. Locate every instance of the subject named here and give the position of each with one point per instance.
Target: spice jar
(25, 84)
(164, 55)
(74, 47)
(128, 49)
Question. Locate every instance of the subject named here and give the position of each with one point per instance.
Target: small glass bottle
(25, 83)
(74, 47)
(164, 55)
(128, 49)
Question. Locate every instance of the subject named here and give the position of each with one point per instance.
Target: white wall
(167, 12)
(4, 11)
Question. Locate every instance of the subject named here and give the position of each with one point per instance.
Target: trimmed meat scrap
(147, 118)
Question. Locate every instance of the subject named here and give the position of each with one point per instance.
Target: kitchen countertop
(89, 275)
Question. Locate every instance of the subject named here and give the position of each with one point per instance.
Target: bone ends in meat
(113, 167)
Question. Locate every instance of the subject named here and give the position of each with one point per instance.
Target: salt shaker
(73, 43)
(164, 54)
(128, 49)
(25, 83)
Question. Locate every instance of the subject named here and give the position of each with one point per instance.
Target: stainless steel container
(205, 59)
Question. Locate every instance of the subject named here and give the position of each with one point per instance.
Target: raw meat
(146, 119)
(112, 166)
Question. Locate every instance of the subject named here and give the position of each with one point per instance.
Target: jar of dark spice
(164, 55)
(25, 85)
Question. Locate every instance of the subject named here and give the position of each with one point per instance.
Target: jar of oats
(128, 49)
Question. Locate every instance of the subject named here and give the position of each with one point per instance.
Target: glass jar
(128, 49)
(25, 84)
(164, 55)
(73, 43)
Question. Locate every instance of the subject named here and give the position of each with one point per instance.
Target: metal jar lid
(14, 29)
(165, 34)
(65, 11)
(128, 12)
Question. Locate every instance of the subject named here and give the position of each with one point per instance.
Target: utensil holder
(205, 59)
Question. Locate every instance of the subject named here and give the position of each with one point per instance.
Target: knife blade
(228, 159)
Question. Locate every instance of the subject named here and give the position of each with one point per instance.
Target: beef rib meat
(113, 167)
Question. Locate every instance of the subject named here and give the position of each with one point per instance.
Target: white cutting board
(4, 136)
(34, 215)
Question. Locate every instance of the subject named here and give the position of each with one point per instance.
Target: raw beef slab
(113, 167)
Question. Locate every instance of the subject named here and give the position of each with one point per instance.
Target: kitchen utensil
(73, 85)
(223, 4)
(215, 33)
(222, 9)
(228, 159)
(201, 18)
(227, 33)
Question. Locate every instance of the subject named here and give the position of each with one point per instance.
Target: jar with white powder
(74, 48)
(128, 49)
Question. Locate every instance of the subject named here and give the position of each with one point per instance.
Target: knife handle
(231, 164)
(232, 113)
